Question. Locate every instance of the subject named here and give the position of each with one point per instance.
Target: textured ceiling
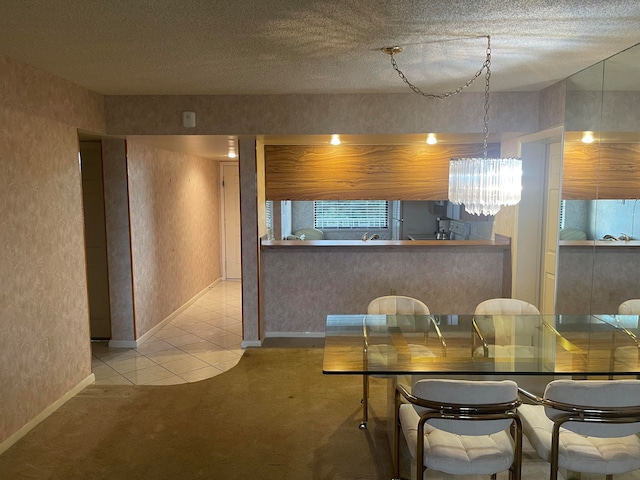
(302, 46)
(143, 47)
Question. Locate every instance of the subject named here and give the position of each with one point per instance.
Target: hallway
(201, 342)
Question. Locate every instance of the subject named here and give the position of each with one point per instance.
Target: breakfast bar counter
(302, 281)
(385, 244)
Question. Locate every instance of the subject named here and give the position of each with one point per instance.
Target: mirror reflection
(599, 240)
(394, 220)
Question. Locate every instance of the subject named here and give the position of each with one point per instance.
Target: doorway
(95, 237)
(537, 224)
(232, 254)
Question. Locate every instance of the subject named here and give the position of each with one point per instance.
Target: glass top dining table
(576, 345)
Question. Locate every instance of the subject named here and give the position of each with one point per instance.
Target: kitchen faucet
(375, 236)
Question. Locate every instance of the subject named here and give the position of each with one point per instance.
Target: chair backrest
(595, 393)
(504, 311)
(310, 234)
(506, 306)
(630, 307)
(467, 392)
(397, 305)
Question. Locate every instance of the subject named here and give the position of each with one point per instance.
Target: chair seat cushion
(626, 355)
(506, 351)
(580, 453)
(458, 454)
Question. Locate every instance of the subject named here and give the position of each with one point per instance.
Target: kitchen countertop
(422, 236)
(599, 243)
(386, 244)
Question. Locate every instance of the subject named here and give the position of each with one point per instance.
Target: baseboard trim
(9, 442)
(123, 344)
(136, 343)
(294, 334)
(259, 343)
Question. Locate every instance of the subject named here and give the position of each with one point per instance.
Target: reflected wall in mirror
(407, 220)
(599, 240)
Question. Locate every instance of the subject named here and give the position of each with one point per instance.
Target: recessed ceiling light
(431, 139)
(587, 137)
(335, 139)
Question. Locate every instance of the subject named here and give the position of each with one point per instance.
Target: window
(351, 214)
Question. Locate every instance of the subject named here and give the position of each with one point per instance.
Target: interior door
(231, 224)
(550, 253)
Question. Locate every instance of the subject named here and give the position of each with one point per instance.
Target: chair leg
(396, 436)
(365, 402)
(555, 447)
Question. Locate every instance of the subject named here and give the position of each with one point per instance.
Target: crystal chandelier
(483, 185)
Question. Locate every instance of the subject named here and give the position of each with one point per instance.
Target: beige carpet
(273, 416)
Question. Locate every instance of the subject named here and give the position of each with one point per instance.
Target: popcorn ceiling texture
(293, 46)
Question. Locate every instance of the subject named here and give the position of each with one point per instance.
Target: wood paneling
(603, 171)
(362, 172)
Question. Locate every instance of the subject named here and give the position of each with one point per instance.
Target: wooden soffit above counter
(601, 171)
(362, 172)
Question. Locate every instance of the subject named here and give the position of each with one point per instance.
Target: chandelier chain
(416, 89)
(487, 65)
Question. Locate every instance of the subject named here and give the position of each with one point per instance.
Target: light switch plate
(189, 119)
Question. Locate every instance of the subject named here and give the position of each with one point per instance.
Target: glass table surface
(575, 345)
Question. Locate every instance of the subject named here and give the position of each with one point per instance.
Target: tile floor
(201, 342)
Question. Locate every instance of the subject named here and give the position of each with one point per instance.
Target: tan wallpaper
(175, 230)
(319, 114)
(116, 193)
(448, 279)
(44, 339)
(40, 94)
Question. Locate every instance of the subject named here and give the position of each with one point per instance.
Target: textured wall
(44, 325)
(320, 114)
(596, 280)
(249, 165)
(175, 230)
(551, 106)
(114, 167)
(40, 94)
(302, 286)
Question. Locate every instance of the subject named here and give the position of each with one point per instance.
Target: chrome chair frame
(365, 377)
(578, 413)
(455, 411)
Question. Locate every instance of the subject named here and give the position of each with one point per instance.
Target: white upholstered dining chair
(396, 305)
(501, 342)
(504, 312)
(585, 426)
(628, 354)
(459, 427)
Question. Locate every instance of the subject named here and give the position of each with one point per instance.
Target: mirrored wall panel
(599, 239)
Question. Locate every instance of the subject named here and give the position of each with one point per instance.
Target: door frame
(528, 280)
